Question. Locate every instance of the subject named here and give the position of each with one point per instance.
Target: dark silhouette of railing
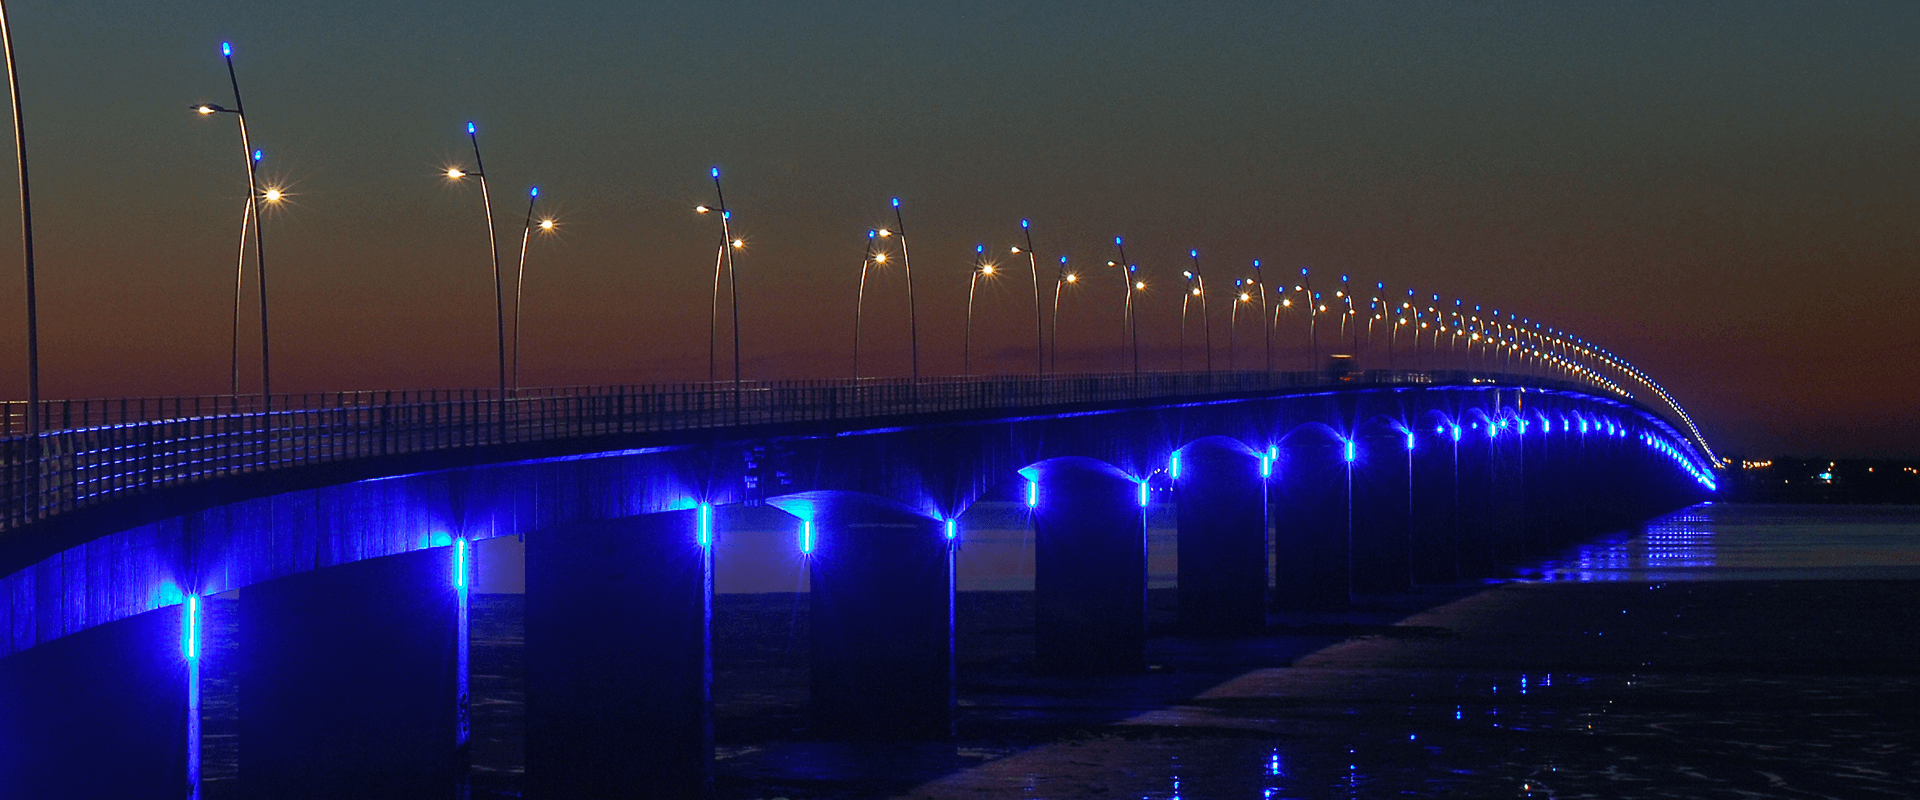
(90, 451)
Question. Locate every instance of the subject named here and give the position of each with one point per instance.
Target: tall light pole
(493, 246)
(913, 310)
(1206, 319)
(26, 239)
(1313, 321)
(981, 269)
(874, 256)
(252, 158)
(1186, 299)
(520, 278)
(1266, 319)
(728, 244)
(1131, 326)
(1241, 295)
(1033, 261)
(1060, 278)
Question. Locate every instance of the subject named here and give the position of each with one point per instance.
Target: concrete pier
(352, 681)
(1089, 567)
(1313, 521)
(619, 657)
(1220, 497)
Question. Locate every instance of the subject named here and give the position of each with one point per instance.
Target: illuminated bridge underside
(149, 549)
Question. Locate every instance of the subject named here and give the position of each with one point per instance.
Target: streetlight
(1266, 322)
(906, 265)
(1313, 320)
(728, 244)
(252, 158)
(520, 279)
(981, 269)
(1060, 278)
(26, 226)
(1039, 345)
(493, 245)
(872, 257)
(1206, 318)
(1233, 323)
(1130, 328)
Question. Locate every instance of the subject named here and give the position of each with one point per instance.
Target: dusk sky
(1727, 194)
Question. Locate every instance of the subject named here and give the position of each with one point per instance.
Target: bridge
(349, 519)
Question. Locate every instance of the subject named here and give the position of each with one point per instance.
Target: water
(1724, 651)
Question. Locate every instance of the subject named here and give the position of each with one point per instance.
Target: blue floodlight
(806, 537)
(1266, 466)
(1409, 441)
(1350, 452)
(1173, 466)
(706, 524)
(1033, 494)
(951, 532)
(459, 563)
(1456, 433)
(190, 629)
(1143, 494)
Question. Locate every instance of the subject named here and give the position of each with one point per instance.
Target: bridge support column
(881, 610)
(619, 659)
(1507, 527)
(1313, 526)
(1089, 568)
(1220, 498)
(353, 680)
(106, 712)
(1382, 512)
(1436, 495)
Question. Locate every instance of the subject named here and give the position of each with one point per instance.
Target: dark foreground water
(1725, 651)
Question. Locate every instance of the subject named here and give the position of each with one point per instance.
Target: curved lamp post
(874, 256)
(1313, 320)
(981, 269)
(1266, 319)
(26, 227)
(1033, 262)
(1060, 278)
(906, 265)
(493, 246)
(728, 244)
(252, 212)
(1130, 327)
(545, 226)
(1206, 319)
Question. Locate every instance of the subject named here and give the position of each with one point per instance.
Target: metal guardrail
(93, 450)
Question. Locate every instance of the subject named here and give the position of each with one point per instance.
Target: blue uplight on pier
(459, 563)
(952, 530)
(1350, 452)
(1173, 466)
(1033, 494)
(806, 537)
(190, 628)
(1144, 491)
(706, 524)
(1266, 466)
(1409, 441)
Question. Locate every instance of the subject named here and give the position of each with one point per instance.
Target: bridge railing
(92, 450)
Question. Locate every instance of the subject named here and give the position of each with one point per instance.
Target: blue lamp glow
(1350, 452)
(226, 48)
(706, 524)
(952, 531)
(1033, 494)
(1116, 240)
(896, 202)
(459, 563)
(1023, 223)
(190, 629)
(1144, 490)
(533, 192)
(716, 174)
(806, 537)
(259, 155)
(1194, 253)
(1266, 466)
(1409, 441)
(1173, 466)
(470, 128)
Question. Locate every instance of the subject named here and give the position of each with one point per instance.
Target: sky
(1726, 194)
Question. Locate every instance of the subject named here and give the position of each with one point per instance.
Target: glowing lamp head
(1023, 223)
(259, 155)
(272, 195)
(1256, 263)
(1072, 278)
(884, 233)
(987, 269)
(880, 258)
(533, 192)
(739, 243)
(1063, 260)
(871, 234)
(1014, 250)
(1140, 285)
(1188, 274)
(1196, 291)
(715, 172)
(1116, 240)
(471, 129)
(1193, 253)
(1244, 297)
(701, 209)
(546, 224)
(226, 49)
(203, 109)
(979, 248)
(456, 174)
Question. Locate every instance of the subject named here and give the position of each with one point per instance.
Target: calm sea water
(1721, 541)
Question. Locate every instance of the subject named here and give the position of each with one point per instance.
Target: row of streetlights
(1534, 343)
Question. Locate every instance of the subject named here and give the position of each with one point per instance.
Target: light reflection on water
(1719, 541)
